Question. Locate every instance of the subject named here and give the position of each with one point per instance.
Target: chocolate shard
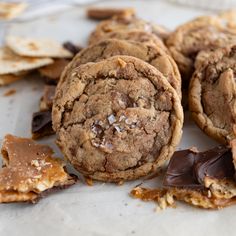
(72, 47)
(42, 124)
(188, 169)
(180, 171)
(216, 163)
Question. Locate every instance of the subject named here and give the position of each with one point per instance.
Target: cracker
(10, 63)
(37, 47)
(10, 10)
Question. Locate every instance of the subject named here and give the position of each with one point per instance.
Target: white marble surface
(104, 209)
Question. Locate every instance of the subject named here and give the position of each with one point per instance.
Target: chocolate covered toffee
(29, 171)
(203, 179)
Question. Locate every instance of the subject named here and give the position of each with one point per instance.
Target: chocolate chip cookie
(137, 36)
(212, 95)
(199, 34)
(117, 119)
(149, 53)
(125, 24)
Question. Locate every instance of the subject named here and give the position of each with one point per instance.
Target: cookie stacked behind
(212, 94)
(198, 46)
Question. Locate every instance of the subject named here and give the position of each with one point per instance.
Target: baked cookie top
(212, 94)
(125, 24)
(137, 36)
(117, 119)
(147, 52)
(199, 34)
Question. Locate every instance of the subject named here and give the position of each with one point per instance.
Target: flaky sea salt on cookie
(10, 63)
(117, 119)
(9, 10)
(37, 47)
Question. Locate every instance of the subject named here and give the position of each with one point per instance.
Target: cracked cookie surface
(199, 34)
(212, 95)
(117, 119)
(137, 36)
(126, 24)
(149, 53)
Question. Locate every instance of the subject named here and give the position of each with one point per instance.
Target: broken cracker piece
(29, 170)
(37, 47)
(10, 63)
(10, 10)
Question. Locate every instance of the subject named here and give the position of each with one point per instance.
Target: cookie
(137, 36)
(199, 34)
(125, 24)
(117, 119)
(149, 53)
(212, 95)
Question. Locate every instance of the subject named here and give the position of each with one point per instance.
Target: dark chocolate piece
(188, 169)
(216, 163)
(72, 47)
(42, 124)
(180, 171)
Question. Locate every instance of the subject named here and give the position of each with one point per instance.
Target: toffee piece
(202, 179)
(29, 171)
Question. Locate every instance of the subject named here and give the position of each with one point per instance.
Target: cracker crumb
(89, 181)
(10, 92)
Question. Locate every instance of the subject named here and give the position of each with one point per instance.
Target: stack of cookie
(118, 114)
(204, 50)
(117, 110)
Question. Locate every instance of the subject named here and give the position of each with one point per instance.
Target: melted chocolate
(188, 169)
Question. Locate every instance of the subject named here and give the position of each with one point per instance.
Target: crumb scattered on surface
(10, 92)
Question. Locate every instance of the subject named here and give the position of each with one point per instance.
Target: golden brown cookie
(148, 53)
(125, 24)
(137, 36)
(212, 95)
(199, 34)
(117, 119)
